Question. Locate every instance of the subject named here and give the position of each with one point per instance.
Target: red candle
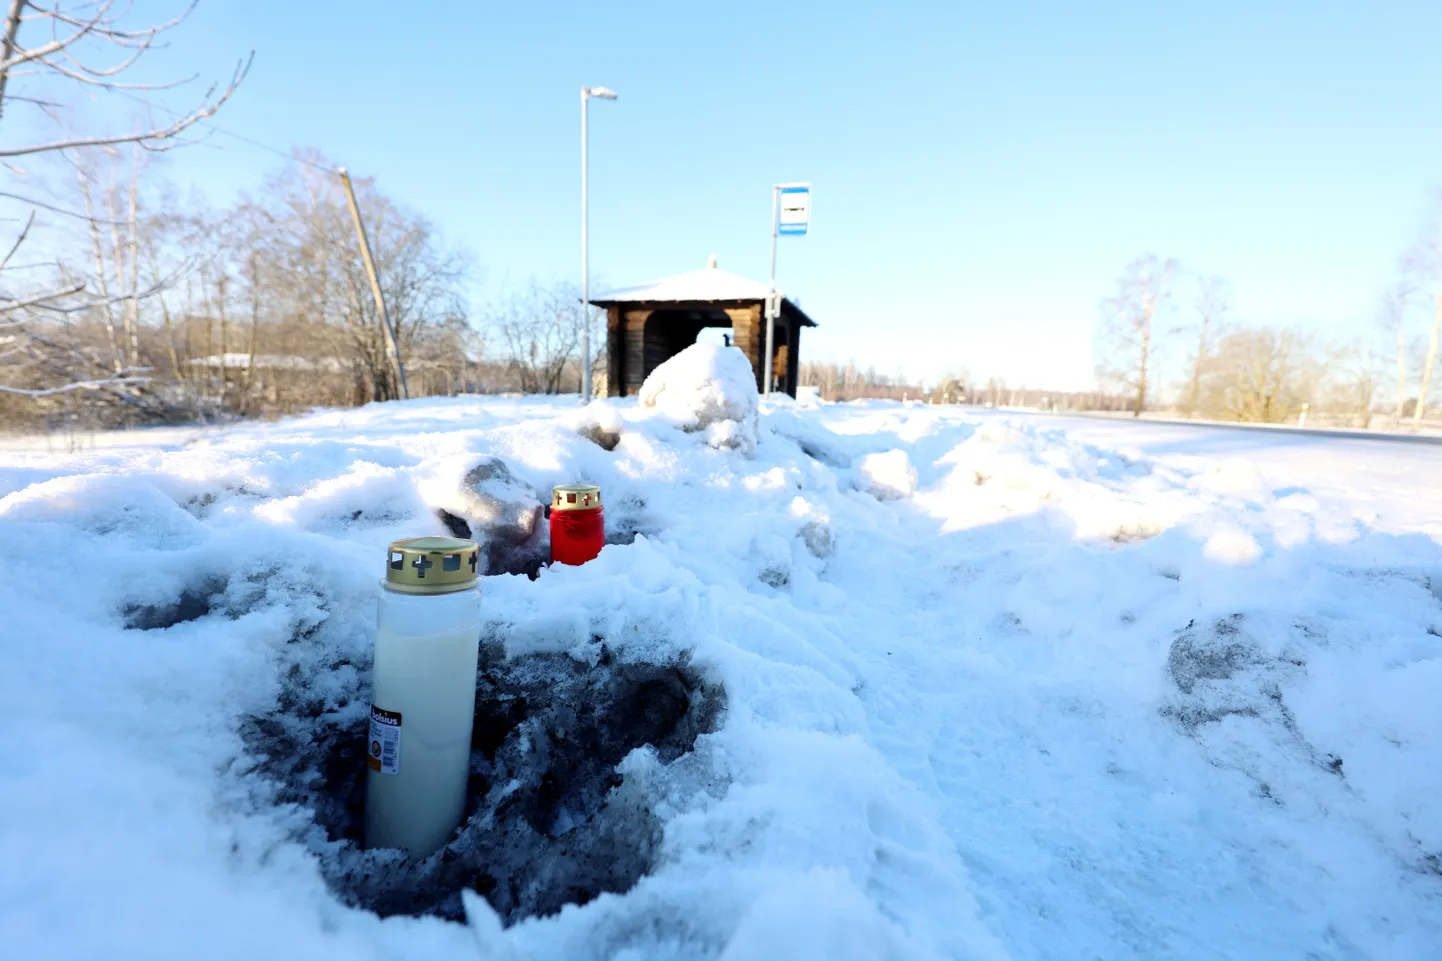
(578, 529)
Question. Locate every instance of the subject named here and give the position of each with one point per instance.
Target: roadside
(1429, 435)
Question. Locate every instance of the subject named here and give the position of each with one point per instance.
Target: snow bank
(887, 476)
(906, 682)
(709, 388)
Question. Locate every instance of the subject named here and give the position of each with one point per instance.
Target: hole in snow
(503, 556)
(626, 519)
(603, 437)
(1134, 531)
(456, 525)
(193, 603)
(550, 820)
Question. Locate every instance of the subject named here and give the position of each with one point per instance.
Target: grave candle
(423, 694)
(578, 527)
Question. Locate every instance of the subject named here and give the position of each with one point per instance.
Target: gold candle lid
(575, 497)
(433, 565)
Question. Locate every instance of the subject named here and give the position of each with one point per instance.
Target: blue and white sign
(794, 215)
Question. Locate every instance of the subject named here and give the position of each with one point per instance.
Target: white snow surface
(710, 388)
(1063, 691)
(887, 476)
(706, 284)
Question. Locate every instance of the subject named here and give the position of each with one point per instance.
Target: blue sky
(982, 171)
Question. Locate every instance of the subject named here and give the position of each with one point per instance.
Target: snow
(995, 686)
(887, 476)
(1232, 546)
(708, 283)
(710, 388)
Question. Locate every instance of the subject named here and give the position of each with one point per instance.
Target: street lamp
(600, 93)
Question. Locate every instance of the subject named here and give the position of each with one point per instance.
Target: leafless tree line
(262, 307)
(841, 382)
(49, 53)
(1168, 340)
(258, 308)
(136, 306)
(537, 328)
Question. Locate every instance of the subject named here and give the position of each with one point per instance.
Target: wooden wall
(636, 346)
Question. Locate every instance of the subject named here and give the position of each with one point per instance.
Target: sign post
(790, 215)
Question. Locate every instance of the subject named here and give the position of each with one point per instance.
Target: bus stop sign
(795, 214)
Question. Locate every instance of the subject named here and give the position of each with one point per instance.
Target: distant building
(240, 361)
(649, 324)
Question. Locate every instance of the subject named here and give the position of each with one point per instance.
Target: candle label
(385, 746)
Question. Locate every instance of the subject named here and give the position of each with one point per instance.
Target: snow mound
(710, 388)
(888, 476)
(1040, 697)
(1232, 546)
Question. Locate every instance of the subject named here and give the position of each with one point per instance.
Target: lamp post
(600, 93)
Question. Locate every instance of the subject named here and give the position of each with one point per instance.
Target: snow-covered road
(996, 686)
(1400, 479)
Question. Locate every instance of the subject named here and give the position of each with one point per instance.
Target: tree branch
(79, 385)
(37, 300)
(94, 77)
(121, 37)
(16, 55)
(151, 140)
(50, 207)
(24, 232)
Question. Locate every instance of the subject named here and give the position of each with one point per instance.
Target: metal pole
(585, 262)
(393, 347)
(773, 306)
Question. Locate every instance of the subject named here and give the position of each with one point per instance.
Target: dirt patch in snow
(550, 821)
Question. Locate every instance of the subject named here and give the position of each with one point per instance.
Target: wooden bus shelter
(649, 324)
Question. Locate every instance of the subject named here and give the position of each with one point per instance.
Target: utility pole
(393, 347)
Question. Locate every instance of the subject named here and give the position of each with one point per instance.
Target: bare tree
(89, 45)
(540, 328)
(84, 45)
(1352, 373)
(317, 251)
(58, 351)
(1392, 320)
(1126, 339)
(1424, 384)
(1214, 299)
(271, 311)
(1424, 263)
(1261, 375)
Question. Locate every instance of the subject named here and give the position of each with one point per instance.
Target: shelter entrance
(668, 332)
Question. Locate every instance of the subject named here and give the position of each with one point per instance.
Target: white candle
(423, 695)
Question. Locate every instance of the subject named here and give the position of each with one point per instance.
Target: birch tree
(1214, 299)
(1424, 264)
(1353, 371)
(1392, 320)
(1127, 337)
(49, 52)
(1424, 385)
(540, 328)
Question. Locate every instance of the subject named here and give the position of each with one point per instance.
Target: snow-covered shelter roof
(710, 284)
